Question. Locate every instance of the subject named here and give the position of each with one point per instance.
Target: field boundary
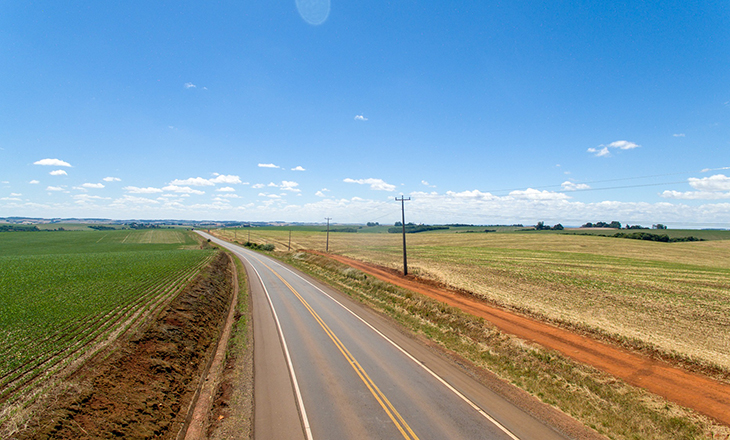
(698, 392)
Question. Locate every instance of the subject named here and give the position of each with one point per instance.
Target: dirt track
(691, 390)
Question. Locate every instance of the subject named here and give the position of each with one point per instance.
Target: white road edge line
(402, 350)
(300, 402)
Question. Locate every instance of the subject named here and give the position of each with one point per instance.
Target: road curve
(327, 368)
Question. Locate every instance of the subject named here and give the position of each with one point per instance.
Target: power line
(615, 180)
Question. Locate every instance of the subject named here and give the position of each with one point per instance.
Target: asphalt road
(328, 368)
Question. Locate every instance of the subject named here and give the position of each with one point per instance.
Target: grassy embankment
(665, 298)
(64, 295)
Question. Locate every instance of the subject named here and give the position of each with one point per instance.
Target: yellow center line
(399, 422)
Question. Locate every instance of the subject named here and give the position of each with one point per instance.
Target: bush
(260, 247)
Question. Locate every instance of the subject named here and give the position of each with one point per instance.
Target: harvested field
(670, 298)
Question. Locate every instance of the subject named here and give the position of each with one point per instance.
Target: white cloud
(570, 186)
(425, 183)
(268, 165)
(229, 179)
(289, 186)
(376, 184)
(87, 198)
(52, 162)
(707, 188)
(718, 182)
(534, 194)
(258, 186)
(58, 173)
(225, 189)
(230, 196)
(189, 85)
(714, 169)
(603, 150)
(13, 199)
(54, 188)
(136, 190)
(127, 200)
(15, 194)
(298, 168)
(695, 195)
(678, 135)
(194, 181)
(320, 194)
(34, 182)
(93, 185)
(112, 179)
(182, 189)
(360, 118)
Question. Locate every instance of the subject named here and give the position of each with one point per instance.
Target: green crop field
(673, 298)
(64, 295)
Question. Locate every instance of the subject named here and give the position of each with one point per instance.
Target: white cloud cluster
(571, 186)
(58, 173)
(707, 188)
(604, 150)
(137, 190)
(268, 165)
(111, 179)
(360, 118)
(52, 162)
(376, 184)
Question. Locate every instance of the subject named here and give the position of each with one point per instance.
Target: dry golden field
(673, 297)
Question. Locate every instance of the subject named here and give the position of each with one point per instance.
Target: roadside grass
(233, 408)
(666, 299)
(596, 399)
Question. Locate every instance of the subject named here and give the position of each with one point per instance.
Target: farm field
(65, 295)
(669, 297)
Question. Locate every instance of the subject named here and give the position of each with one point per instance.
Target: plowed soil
(692, 390)
(144, 389)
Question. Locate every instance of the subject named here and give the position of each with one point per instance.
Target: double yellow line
(397, 419)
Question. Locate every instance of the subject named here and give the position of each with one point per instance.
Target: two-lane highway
(327, 368)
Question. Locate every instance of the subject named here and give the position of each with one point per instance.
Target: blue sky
(480, 111)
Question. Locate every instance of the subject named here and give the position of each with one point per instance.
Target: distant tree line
(541, 226)
(135, 225)
(664, 238)
(342, 230)
(102, 227)
(617, 225)
(614, 224)
(371, 224)
(412, 228)
(18, 228)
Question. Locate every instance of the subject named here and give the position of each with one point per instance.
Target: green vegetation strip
(601, 402)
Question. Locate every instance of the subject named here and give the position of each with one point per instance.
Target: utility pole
(402, 201)
(327, 247)
(289, 239)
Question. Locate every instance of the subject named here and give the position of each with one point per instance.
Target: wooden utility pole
(289, 239)
(402, 201)
(327, 247)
